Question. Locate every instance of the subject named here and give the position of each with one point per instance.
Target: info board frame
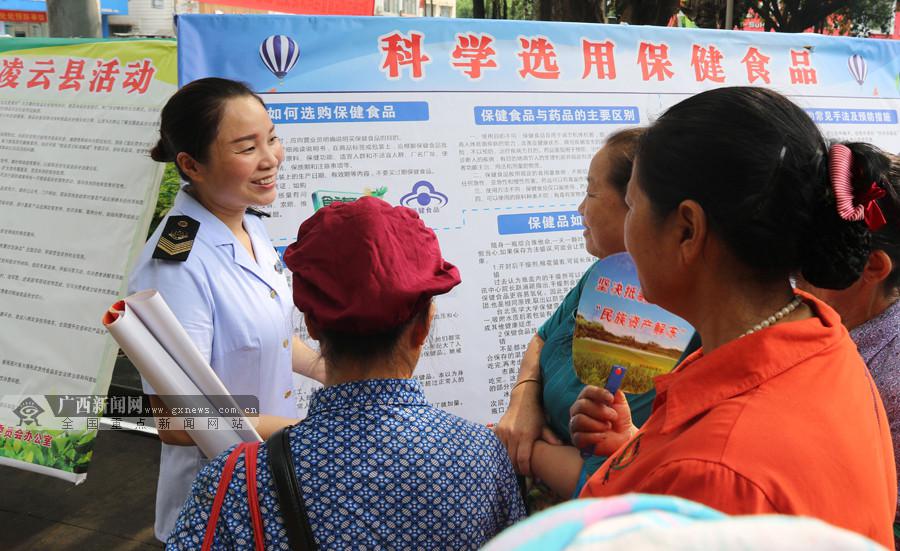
(486, 128)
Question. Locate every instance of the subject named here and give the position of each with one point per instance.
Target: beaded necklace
(776, 317)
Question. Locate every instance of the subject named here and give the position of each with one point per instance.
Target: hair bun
(836, 251)
(160, 153)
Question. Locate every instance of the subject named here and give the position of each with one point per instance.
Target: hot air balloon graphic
(279, 53)
(857, 66)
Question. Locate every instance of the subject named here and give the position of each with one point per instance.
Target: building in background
(308, 7)
(416, 8)
(145, 18)
(156, 17)
(28, 18)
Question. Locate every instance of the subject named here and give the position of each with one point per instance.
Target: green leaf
(171, 183)
(87, 438)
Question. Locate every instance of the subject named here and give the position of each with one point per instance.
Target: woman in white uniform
(214, 264)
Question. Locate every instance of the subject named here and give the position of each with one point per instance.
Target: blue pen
(613, 383)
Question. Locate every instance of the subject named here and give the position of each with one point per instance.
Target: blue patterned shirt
(380, 469)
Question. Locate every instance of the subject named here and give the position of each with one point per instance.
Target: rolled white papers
(150, 335)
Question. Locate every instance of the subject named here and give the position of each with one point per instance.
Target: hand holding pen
(600, 419)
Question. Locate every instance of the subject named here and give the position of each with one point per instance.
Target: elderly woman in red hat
(378, 467)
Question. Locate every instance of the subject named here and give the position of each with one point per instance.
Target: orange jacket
(785, 420)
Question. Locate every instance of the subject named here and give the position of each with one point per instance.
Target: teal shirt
(561, 385)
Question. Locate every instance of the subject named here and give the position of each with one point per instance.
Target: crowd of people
(779, 247)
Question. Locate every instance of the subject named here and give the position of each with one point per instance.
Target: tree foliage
(853, 17)
(646, 12)
(464, 8)
(168, 189)
(495, 9)
(848, 17)
(636, 12)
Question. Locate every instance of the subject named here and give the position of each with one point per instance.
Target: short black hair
(191, 118)
(337, 347)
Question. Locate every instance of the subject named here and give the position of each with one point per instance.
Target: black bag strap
(290, 493)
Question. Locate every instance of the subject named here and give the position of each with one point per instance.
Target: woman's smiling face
(244, 158)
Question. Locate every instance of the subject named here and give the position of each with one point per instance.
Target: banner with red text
(487, 129)
(77, 190)
(309, 7)
(616, 327)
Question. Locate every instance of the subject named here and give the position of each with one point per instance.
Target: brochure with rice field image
(615, 325)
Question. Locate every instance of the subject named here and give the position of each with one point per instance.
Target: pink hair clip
(850, 208)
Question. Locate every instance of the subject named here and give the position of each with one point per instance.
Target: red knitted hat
(366, 267)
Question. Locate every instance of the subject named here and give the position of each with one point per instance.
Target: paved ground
(111, 511)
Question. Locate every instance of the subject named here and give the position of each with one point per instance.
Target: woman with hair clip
(870, 308)
(776, 413)
(214, 265)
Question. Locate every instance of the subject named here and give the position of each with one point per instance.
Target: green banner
(77, 192)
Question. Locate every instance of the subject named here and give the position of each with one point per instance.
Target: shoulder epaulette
(177, 238)
(257, 212)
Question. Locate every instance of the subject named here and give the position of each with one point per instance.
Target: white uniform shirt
(238, 312)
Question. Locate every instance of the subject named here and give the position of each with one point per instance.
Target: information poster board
(486, 128)
(77, 190)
